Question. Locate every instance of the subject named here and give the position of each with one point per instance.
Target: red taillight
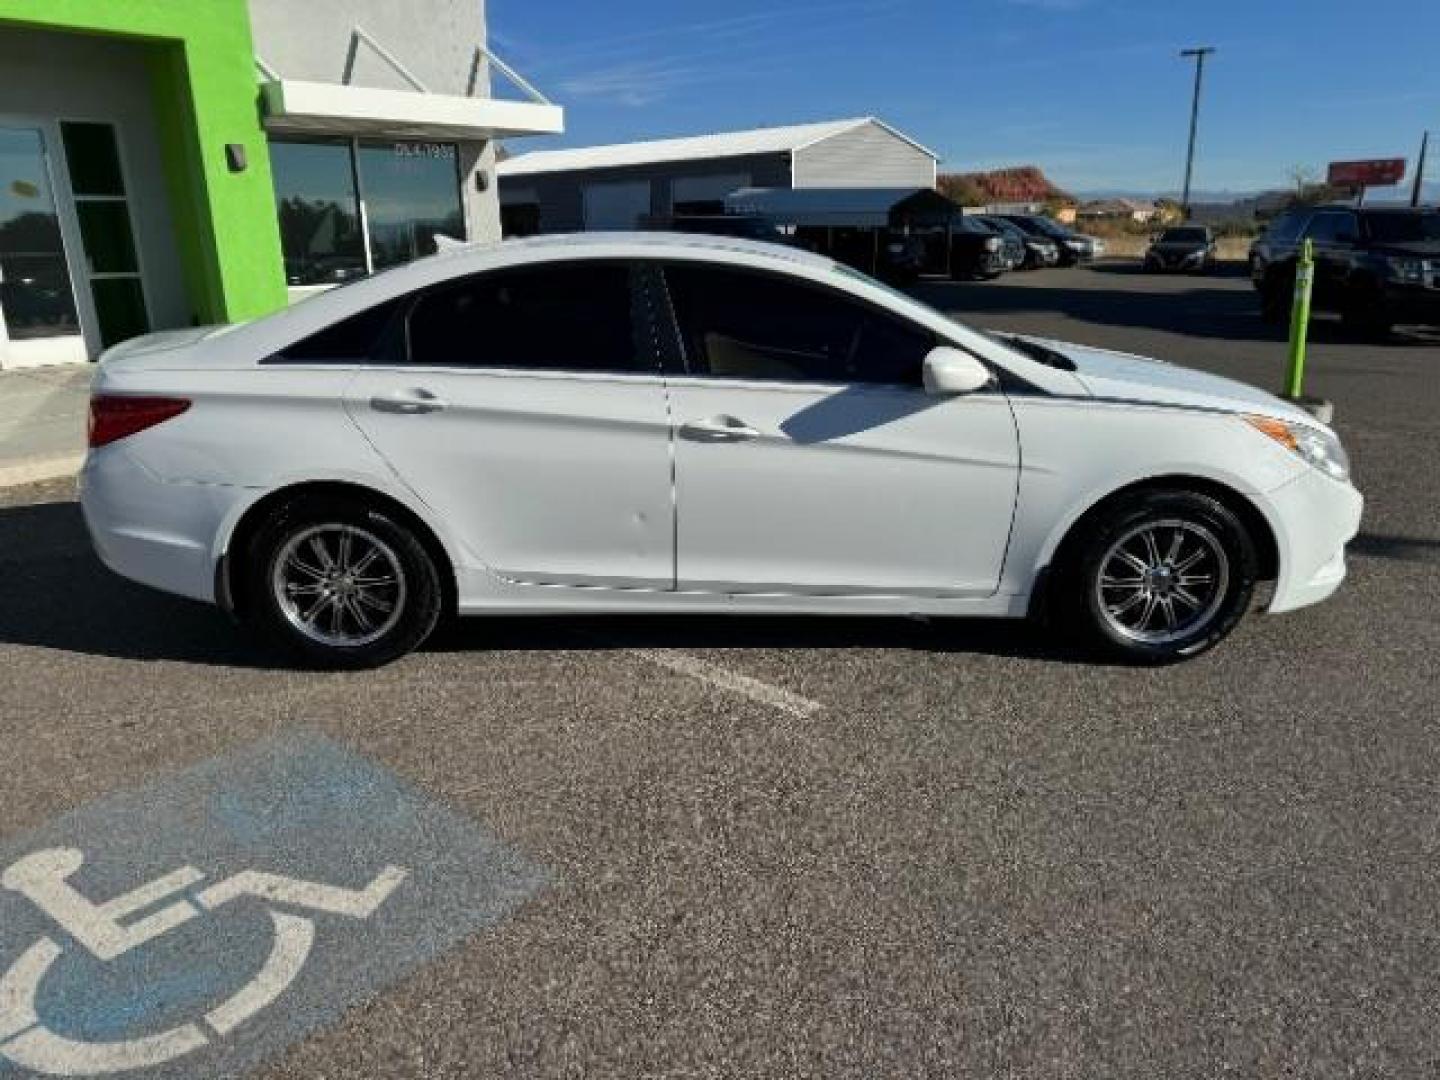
(114, 417)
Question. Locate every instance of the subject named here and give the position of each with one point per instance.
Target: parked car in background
(904, 258)
(1073, 247)
(746, 226)
(1014, 244)
(652, 423)
(976, 250)
(1375, 266)
(1183, 247)
(1035, 251)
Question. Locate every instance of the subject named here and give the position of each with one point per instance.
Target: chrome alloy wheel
(339, 585)
(1162, 581)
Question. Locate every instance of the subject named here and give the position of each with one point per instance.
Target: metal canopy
(294, 105)
(859, 208)
(302, 106)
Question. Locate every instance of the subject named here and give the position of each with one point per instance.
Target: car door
(809, 459)
(527, 409)
(1333, 233)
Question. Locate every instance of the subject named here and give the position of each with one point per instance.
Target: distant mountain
(1209, 195)
(1430, 193)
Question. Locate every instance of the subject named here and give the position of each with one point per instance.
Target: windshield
(1403, 228)
(1184, 236)
(1052, 228)
(1003, 226)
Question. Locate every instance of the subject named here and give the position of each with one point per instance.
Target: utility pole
(1199, 55)
(1420, 171)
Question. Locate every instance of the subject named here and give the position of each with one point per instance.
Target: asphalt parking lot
(847, 848)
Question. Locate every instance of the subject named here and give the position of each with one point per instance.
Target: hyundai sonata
(666, 423)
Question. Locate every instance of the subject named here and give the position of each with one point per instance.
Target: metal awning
(858, 208)
(304, 106)
(295, 105)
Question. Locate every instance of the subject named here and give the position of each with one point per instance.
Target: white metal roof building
(613, 187)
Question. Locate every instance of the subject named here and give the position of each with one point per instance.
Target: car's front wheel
(1159, 576)
(342, 584)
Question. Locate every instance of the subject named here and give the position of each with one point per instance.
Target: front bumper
(1193, 260)
(1314, 518)
(1413, 303)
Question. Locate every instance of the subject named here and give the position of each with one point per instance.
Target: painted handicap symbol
(106, 931)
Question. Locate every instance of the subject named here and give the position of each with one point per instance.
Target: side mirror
(951, 371)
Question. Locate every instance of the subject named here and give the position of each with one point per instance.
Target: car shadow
(1135, 268)
(1401, 548)
(59, 596)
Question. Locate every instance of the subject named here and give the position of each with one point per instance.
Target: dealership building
(616, 186)
(171, 162)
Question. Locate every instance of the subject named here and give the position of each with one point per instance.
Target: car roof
(653, 244)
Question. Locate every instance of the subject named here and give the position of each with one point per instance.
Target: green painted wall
(202, 75)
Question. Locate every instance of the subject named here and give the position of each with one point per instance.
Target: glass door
(39, 320)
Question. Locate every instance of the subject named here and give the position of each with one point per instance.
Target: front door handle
(718, 429)
(415, 401)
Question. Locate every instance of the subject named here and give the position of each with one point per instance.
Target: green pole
(1300, 320)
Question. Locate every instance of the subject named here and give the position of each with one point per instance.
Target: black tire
(1276, 293)
(416, 599)
(1365, 316)
(1089, 611)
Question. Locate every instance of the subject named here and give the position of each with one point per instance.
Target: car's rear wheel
(1276, 292)
(1159, 576)
(1364, 314)
(341, 584)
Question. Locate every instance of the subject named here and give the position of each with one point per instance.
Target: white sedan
(657, 423)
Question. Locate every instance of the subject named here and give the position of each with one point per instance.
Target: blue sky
(1090, 90)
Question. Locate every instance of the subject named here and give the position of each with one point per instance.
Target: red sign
(1380, 172)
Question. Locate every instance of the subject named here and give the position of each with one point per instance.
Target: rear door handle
(415, 401)
(718, 429)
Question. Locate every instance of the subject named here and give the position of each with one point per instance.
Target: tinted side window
(572, 317)
(1328, 227)
(751, 325)
(1286, 227)
(360, 339)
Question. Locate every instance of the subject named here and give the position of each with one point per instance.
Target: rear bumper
(149, 530)
(1315, 518)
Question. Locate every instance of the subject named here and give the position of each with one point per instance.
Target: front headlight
(1411, 271)
(992, 243)
(1318, 446)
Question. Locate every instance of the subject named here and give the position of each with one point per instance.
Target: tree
(960, 189)
(1309, 188)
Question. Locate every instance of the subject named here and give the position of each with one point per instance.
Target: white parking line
(725, 679)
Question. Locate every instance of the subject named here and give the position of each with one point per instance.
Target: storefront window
(319, 212)
(404, 192)
(98, 184)
(35, 296)
(412, 192)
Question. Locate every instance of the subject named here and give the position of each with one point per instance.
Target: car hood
(1179, 247)
(1415, 249)
(1119, 376)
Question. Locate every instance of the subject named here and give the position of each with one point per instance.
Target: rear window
(1184, 236)
(360, 339)
(1403, 228)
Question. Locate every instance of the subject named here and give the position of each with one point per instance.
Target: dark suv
(1375, 266)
